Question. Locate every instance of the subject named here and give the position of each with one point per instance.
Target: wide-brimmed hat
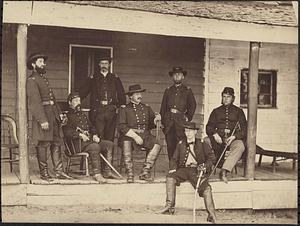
(190, 125)
(105, 58)
(72, 95)
(33, 57)
(228, 91)
(177, 69)
(136, 88)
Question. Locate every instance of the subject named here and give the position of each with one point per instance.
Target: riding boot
(42, 161)
(209, 205)
(223, 175)
(107, 170)
(171, 195)
(149, 162)
(57, 162)
(128, 161)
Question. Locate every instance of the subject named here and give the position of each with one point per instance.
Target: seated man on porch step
(227, 125)
(190, 157)
(78, 126)
(135, 122)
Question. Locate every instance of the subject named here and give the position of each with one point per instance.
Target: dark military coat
(102, 88)
(226, 117)
(139, 116)
(78, 119)
(181, 98)
(38, 90)
(203, 153)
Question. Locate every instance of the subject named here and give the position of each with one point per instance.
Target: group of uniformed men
(108, 109)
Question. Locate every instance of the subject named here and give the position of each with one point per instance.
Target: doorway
(83, 62)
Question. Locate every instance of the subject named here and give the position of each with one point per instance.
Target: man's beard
(103, 69)
(177, 82)
(40, 70)
(78, 107)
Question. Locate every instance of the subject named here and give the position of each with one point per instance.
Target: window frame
(273, 94)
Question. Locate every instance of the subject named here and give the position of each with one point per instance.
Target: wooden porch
(268, 190)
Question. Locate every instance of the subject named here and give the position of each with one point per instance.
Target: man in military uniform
(135, 122)
(80, 129)
(107, 94)
(190, 155)
(178, 105)
(219, 128)
(46, 117)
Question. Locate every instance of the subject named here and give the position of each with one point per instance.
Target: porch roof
(261, 12)
(248, 21)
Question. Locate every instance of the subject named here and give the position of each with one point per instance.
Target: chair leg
(235, 169)
(274, 164)
(259, 161)
(81, 162)
(87, 173)
(10, 160)
(294, 164)
(68, 165)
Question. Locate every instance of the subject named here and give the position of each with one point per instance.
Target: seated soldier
(79, 127)
(135, 122)
(227, 125)
(189, 156)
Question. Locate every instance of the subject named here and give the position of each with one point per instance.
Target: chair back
(71, 147)
(8, 130)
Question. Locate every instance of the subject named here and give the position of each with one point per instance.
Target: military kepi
(190, 125)
(177, 69)
(108, 58)
(228, 91)
(73, 95)
(136, 88)
(33, 57)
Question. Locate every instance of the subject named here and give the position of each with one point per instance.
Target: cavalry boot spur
(149, 162)
(128, 161)
(171, 195)
(42, 162)
(209, 205)
(223, 175)
(57, 163)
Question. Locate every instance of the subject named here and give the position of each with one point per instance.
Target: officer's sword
(195, 195)
(107, 162)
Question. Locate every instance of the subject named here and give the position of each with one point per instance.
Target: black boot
(57, 163)
(149, 162)
(42, 161)
(171, 195)
(223, 175)
(109, 157)
(128, 161)
(209, 205)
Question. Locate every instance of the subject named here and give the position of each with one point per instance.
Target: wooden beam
(252, 108)
(21, 95)
(51, 13)
(295, 6)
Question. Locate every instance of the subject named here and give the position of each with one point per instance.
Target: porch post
(21, 101)
(252, 108)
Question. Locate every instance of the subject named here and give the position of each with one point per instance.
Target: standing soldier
(91, 143)
(219, 128)
(178, 105)
(46, 117)
(190, 156)
(135, 122)
(107, 95)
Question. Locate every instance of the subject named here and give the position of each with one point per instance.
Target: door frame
(85, 46)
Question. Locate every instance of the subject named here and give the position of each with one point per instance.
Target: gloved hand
(84, 137)
(63, 119)
(157, 118)
(135, 137)
(45, 125)
(172, 171)
(96, 138)
(202, 167)
(217, 138)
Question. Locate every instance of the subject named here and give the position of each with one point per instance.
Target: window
(267, 80)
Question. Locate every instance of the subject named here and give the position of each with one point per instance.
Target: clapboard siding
(149, 63)
(276, 128)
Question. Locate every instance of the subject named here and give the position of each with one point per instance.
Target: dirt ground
(140, 214)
